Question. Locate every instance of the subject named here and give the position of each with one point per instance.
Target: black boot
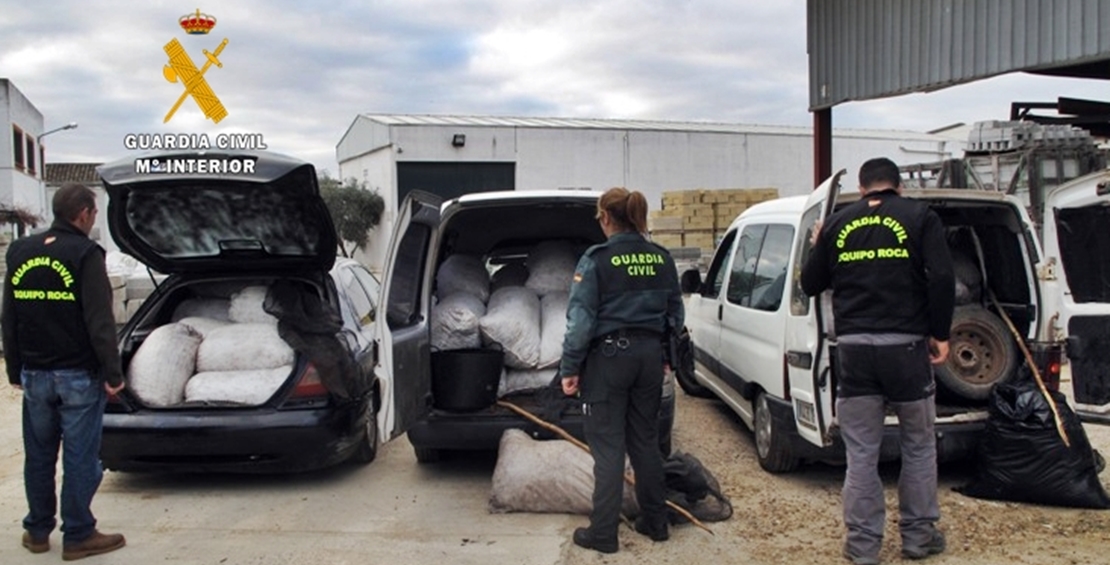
(584, 538)
(656, 530)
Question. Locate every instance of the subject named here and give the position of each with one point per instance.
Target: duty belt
(624, 336)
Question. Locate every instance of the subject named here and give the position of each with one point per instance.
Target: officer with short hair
(624, 293)
(886, 259)
(60, 348)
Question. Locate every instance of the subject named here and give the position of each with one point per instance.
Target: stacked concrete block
(996, 136)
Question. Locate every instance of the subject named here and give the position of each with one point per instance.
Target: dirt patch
(796, 518)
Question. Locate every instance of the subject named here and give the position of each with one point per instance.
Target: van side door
(1075, 281)
(752, 327)
(404, 338)
(703, 309)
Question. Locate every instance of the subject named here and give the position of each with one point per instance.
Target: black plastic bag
(692, 487)
(1022, 458)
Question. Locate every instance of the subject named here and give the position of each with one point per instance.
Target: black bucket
(465, 380)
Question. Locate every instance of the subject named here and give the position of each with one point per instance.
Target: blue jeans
(62, 408)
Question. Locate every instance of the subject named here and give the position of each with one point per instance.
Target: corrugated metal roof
(620, 124)
(863, 49)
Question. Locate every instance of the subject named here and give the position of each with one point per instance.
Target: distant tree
(354, 209)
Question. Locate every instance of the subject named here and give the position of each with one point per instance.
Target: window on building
(30, 155)
(17, 146)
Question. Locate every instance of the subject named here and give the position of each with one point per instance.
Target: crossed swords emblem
(181, 68)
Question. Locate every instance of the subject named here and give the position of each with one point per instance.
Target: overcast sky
(300, 72)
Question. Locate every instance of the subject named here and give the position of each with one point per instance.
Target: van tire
(691, 386)
(772, 444)
(981, 354)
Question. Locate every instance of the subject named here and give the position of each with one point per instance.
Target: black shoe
(583, 538)
(934, 546)
(656, 533)
(859, 559)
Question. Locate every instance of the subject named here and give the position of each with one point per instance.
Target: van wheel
(690, 385)
(426, 455)
(772, 445)
(368, 447)
(981, 354)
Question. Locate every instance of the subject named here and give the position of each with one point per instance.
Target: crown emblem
(198, 23)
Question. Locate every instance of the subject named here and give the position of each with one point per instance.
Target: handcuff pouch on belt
(610, 345)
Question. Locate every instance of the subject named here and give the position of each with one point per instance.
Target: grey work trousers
(861, 423)
(873, 376)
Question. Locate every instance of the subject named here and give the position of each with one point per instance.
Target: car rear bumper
(482, 430)
(257, 441)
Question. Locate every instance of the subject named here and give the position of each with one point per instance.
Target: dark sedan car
(256, 353)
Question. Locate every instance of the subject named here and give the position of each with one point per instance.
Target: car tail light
(1048, 360)
(309, 385)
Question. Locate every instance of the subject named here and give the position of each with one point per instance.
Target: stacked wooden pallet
(699, 218)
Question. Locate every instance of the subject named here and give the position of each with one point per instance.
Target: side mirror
(690, 282)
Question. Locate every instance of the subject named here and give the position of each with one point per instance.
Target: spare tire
(981, 354)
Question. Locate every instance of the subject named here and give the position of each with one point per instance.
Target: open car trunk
(501, 286)
(211, 343)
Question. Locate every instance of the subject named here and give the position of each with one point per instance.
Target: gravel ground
(795, 518)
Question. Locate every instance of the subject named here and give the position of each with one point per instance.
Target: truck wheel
(426, 455)
(772, 444)
(368, 447)
(981, 354)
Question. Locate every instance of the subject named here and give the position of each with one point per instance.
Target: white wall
(651, 161)
(377, 169)
(19, 188)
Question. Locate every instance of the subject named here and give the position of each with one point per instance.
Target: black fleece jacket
(96, 308)
(887, 262)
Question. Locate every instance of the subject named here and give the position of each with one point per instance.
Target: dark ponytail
(628, 209)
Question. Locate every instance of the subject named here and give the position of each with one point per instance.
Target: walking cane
(1033, 367)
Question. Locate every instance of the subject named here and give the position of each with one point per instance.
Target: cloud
(300, 73)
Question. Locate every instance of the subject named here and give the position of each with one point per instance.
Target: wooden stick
(628, 478)
(1036, 372)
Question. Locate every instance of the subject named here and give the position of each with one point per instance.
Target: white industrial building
(453, 155)
(21, 171)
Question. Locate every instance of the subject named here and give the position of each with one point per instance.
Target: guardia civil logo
(182, 69)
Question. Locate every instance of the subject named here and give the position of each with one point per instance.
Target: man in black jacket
(887, 262)
(60, 349)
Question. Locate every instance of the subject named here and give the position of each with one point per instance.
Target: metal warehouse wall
(649, 160)
(863, 49)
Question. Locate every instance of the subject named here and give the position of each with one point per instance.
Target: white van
(764, 347)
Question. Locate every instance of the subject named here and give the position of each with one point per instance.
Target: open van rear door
(1076, 281)
(807, 349)
(404, 338)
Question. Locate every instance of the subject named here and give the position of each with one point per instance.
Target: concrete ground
(392, 511)
(395, 511)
